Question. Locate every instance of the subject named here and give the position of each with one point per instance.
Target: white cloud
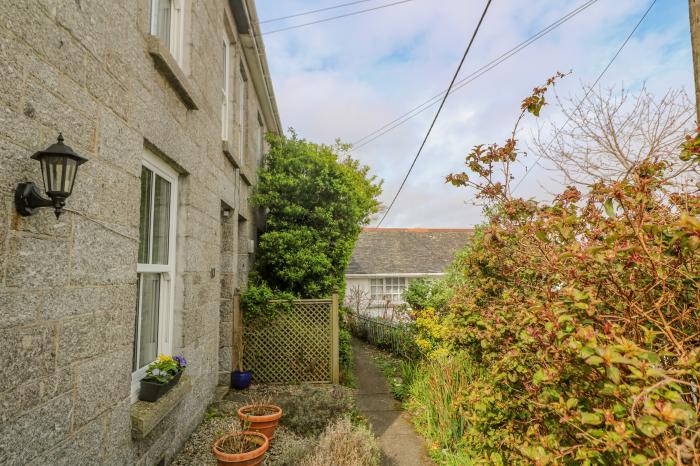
(348, 77)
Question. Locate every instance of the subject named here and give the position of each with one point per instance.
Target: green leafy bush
(423, 293)
(345, 355)
(317, 198)
(262, 303)
(578, 321)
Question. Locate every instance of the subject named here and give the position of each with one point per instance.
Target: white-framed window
(225, 91)
(155, 266)
(242, 111)
(388, 289)
(167, 23)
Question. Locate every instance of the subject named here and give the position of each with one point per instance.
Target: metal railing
(397, 338)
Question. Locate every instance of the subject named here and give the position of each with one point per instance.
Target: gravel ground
(286, 449)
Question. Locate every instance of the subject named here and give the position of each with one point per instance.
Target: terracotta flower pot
(265, 424)
(249, 458)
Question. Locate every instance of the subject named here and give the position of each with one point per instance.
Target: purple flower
(181, 361)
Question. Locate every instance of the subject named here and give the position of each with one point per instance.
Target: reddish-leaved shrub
(584, 314)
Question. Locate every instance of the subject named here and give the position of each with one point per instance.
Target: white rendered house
(385, 260)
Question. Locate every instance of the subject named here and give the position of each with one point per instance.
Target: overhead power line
(437, 114)
(359, 12)
(590, 89)
(281, 18)
(400, 120)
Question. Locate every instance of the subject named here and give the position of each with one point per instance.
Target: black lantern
(59, 165)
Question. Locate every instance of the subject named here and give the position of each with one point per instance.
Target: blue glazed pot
(241, 380)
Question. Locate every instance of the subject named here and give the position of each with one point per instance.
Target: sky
(349, 77)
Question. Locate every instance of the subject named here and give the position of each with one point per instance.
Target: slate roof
(406, 250)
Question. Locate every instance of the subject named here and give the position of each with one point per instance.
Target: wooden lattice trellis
(300, 345)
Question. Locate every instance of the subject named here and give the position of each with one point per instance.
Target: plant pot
(249, 458)
(152, 391)
(265, 424)
(240, 380)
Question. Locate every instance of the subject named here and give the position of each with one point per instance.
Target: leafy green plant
(423, 293)
(163, 369)
(691, 148)
(214, 412)
(317, 198)
(262, 303)
(347, 376)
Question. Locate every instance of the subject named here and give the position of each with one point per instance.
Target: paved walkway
(400, 444)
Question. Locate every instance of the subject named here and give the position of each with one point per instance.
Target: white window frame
(242, 111)
(177, 26)
(387, 290)
(225, 92)
(167, 288)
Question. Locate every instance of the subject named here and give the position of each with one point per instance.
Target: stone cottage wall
(68, 287)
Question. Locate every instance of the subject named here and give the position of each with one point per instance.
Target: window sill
(146, 416)
(237, 162)
(166, 64)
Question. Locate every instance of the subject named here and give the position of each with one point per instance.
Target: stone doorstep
(173, 73)
(145, 416)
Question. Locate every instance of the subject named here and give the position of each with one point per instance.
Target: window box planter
(152, 391)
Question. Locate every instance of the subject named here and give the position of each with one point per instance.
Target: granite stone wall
(68, 287)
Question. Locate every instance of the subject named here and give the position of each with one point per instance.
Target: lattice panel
(295, 348)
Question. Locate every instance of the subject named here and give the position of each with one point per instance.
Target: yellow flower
(423, 344)
(164, 358)
(439, 353)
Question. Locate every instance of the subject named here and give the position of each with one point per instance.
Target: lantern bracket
(28, 200)
(59, 165)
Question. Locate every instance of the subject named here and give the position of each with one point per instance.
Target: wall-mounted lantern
(59, 165)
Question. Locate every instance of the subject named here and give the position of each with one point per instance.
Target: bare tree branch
(611, 130)
(358, 299)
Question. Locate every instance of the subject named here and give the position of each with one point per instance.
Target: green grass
(348, 377)
(436, 399)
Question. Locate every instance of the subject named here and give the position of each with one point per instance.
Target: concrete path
(400, 444)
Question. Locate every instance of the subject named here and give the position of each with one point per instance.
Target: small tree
(358, 299)
(611, 131)
(317, 198)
